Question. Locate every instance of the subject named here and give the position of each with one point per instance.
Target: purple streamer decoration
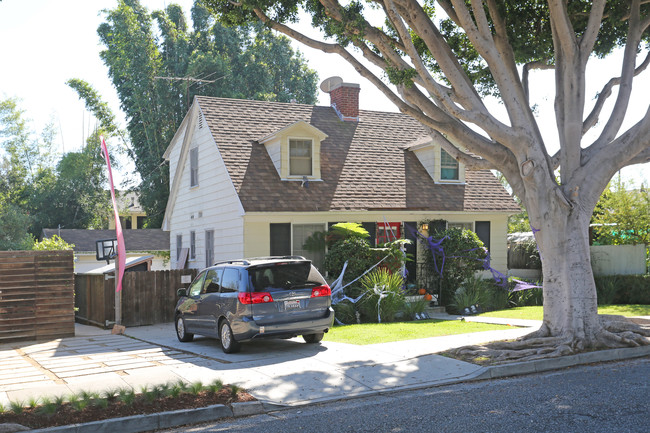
(436, 249)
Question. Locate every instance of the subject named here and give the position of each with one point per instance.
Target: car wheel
(181, 332)
(228, 342)
(313, 338)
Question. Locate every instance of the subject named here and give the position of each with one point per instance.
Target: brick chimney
(344, 98)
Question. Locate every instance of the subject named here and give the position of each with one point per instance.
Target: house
(138, 243)
(255, 178)
(132, 216)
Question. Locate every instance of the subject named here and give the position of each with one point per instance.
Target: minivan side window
(230, 280)
(197, 285)
(212, 281)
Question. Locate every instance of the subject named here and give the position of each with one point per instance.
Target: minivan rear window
(285, 276)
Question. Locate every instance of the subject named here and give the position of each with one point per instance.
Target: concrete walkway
(284, 372)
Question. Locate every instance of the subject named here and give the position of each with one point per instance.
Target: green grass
(537, 313)
(373, 333)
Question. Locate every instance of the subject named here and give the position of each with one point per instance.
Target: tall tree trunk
(570, 302)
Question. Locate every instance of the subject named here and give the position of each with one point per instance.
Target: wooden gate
(147, 297)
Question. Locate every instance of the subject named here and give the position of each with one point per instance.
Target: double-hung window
(448, 166)
(300, 157)
(192, 245)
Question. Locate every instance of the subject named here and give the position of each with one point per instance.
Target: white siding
(427, 159)
(274, 149)
(212, 205)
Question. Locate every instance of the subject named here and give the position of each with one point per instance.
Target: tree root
(615, 332)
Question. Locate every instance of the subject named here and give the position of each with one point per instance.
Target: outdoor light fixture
(425, 227)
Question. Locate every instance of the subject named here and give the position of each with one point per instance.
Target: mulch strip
(66, 414)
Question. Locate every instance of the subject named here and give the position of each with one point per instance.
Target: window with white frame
(194, 166)
(179, 246)
(464, 226)
(192, 245)
(448, 167)
(300, 157)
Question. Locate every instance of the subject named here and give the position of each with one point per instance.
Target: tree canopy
(38, 191)
(443, 57)
(157, 65)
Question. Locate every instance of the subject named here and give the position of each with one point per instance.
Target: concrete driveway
(283, 372)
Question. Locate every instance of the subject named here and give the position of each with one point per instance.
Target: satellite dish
(330, 83)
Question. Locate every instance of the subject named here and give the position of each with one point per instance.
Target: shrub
(463, 253)
(51, 244)
(627, 289)
(345, 312)
(474, 291)
(410, 309)
(371, 306)
(355, 251)
(524, 255)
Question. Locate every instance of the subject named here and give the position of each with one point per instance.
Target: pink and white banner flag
(121, 250)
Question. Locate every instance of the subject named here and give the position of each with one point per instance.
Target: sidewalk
(276, 372)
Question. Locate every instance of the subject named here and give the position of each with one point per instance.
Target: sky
(43, 43)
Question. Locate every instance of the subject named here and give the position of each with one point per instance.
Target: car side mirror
(181, 292)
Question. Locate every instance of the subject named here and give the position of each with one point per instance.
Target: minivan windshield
(286, 276)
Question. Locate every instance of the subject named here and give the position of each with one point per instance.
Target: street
(608, 397)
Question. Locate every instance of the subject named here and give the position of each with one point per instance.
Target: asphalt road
(609, 397)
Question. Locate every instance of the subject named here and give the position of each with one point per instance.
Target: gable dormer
(295, 151)
(441, 166)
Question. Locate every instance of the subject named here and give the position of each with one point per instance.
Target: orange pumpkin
(422, 291)
(428, 297)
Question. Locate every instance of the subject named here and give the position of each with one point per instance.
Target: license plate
(288, 305)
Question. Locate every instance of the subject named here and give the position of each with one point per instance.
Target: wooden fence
(147, 297)
(36, 295)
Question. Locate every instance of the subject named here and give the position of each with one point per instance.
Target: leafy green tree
(24, 155)
(156, 77)
(622, 215)
(73, 195)
(444, 56)
(13, 228)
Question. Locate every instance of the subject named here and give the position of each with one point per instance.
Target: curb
(161, 420)
(541, 365)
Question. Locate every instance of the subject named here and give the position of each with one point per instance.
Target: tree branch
(631, 147)
(590, 35)
(592, 119)
(470, 162)
(540, 64)
(561, 25)
(627, 75)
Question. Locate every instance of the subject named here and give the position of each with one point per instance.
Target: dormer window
(295, 151)
(448, 166)
(441, 166)
(300, 157)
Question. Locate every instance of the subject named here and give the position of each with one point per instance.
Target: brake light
(255, 297)
(321, 291)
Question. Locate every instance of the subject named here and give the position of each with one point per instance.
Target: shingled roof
(134, 240)
(364, 165)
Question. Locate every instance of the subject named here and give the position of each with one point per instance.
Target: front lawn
(537, 313)
(373, 333)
